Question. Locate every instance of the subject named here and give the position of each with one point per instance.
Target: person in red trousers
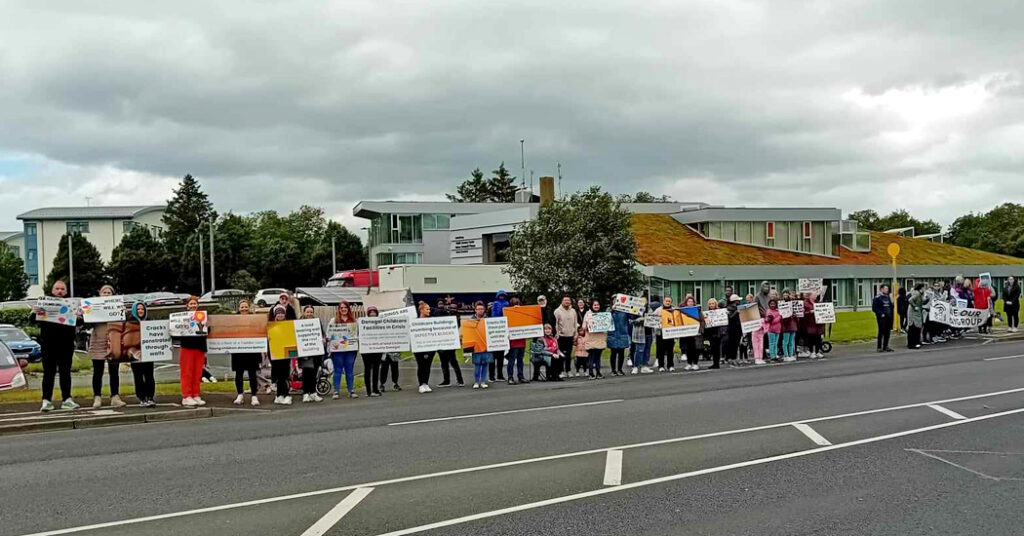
(192, 359)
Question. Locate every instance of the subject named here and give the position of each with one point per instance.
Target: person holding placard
(344, 361)
(99, 351)
(371, 365)
(618, 341)
(496, 368)
(665, 347)
(191, 360)
(309, 365)
(734, 331)
(812, 329)
(481, 357)
(425, 360)
(692, 346)
(596, 342)
(790, 325)
(280, 369)
(517, 353)
(142, 372)
(716, 337)
(243, 364)
(1011, 303)
(773, 326)
(448, 358)
(983, 301)
(58, 349)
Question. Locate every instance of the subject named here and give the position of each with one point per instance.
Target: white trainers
(422, 389)
(46, 407)
(287, 400)
(695, 367)
(635, 371)
(661, 369)
(476, 385)
(646, 370)
(428, 389)
(758, 361)
(306, 399)
(199, 401)
(255, 401)
(316, 397)
(117, 402)
(484, 386)
(789, 359)
(671, 369)
(97, 402)
(188, 402)
(279, 400)
(239, 400)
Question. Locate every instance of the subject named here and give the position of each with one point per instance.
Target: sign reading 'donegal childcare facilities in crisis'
(378, 335)
(633, 305)
(434, 333)
(156, 340)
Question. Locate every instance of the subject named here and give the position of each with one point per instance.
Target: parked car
(156, 299)
(227, 293)
(23, 346)
(11, 374)
(267, 296)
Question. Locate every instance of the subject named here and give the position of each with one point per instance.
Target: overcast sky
(274, 104)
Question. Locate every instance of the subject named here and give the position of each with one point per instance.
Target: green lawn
(853, 326)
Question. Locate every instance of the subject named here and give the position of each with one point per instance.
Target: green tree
(188, 212)
(90, 273)
(245, 281)
(472, 190)
(13, 280)
(643, 197)
(349, 249)
(501, 188)
(869, 220)
(232, 251)
(140, 264)
(1000, 230)
(582, 246)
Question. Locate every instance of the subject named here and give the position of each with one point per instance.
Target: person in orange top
(481, 357)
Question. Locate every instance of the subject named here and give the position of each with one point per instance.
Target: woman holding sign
(99, 351)
(481, 357)
(344, 361)
(281, 368)
(425, 360)
(191, 360)
(618, 341)
(517, 353)
(246, 363)
(665, 347)
(310, 364)
(142, 372)
(371, 364)
(596, 341)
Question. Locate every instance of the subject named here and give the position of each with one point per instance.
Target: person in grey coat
(915, 321)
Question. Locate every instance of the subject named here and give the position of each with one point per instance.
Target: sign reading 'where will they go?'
(103, 309)
(824, 313)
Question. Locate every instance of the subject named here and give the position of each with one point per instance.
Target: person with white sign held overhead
(99, 351)
(58, 347)
(344, 361)
(596, 341)
(243, 364)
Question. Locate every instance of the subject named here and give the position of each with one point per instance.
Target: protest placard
(103, 309)
(473, 335)
(689, 326)
(961, 303)
(601, 322)
(798, 308)
(434, 333)
(188, 324)
(156, 340)
(750, 317)
(408, 312)
(814, 285)
(634, 305)
(56, 311)
(652, 320)
(957, 317)
(524, 322)
(716, 318)
(824, 313)
(236, 334)
(985, 279)
(378, 335)
(342, 337)
(497, 334)
(786, 309)
(309, 337)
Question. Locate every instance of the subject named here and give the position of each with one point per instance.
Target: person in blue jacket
(618, 341)
(497, 365)
(883, 308)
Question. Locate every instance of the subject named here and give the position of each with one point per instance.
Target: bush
(18, 316)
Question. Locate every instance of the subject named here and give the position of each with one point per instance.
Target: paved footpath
(925, 442)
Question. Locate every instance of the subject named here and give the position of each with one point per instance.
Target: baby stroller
(323, 378)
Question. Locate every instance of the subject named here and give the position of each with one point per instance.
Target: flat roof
(721, 213)
(89, 213)
(369, 209)
(5, 235)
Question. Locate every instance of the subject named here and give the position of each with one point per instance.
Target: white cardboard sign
(497, 334)
(601, 322)
(634, 305)
(156, 340)
(716, 318)
(103, 309)
(434, 333)
(824, 313)
(786, 309)
(342, 337)
(378, 335)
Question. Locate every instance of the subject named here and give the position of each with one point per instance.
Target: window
(30, 229)
(807, 230)
(31, 254)
(81, 227)
(429, 222)
(397, 258)
(769, 230)
(443, 221)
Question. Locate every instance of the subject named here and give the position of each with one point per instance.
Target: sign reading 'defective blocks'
(103, 309)
(156, 341)
(434, 333)
(824, 313)
(379, 335)
(342, 337)
(634, 305)
(497, 334)
(56, 311)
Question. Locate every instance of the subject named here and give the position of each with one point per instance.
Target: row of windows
(405, 229)
(81, 227)
(398, 258)
(154, 230)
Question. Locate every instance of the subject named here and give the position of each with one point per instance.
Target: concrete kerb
(86, 422)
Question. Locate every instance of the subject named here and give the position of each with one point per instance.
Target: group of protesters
(569, 348)
(914, 310)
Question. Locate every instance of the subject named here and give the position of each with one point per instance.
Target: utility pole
(560, 187)
(213, 278)
(334, 258)
(522, 161)
(202, 259)
(71, 266)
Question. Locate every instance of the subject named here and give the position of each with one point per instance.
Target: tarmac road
(929, 442)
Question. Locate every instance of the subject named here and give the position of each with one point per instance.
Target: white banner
(309, 337)
(378, 335)
(634, 305)
(242, 345)
(824, 313)
(103, 309)
(601, 322)
(497, 334)
(408, 312)
(342, 337)
(716, 318)
(815, 285)
(680, 332)
(156, 340)
(785, 309)
(56, 311)
(434, 333)
(956, 317)
(525, 332)
(188, 324)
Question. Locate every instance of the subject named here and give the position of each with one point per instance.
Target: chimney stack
(547, 190)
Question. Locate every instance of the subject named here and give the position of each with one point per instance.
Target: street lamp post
(369, 260)
(71, 266)
(202, 259)
(213, 278)
(334, 258)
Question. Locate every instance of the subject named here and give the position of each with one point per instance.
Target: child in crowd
(579, 352)
(773, 325)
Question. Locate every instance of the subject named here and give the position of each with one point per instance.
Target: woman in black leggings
(1011, 302)
(245, 363)
(99, 351)
(280, 369)
(371, 365)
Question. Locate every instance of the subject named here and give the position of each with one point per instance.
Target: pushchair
(323, 378)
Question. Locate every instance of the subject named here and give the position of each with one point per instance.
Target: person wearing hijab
(99, 351)
(246, 363)
(142, 372)
(280, 369)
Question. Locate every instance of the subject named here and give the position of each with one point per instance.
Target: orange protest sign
(671, 318)
(524, 315)
(474, 335)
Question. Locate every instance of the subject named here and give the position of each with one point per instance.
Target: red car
(11, 375)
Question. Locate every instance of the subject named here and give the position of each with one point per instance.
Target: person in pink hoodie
(773, 325)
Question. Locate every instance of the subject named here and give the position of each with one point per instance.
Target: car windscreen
(12, 334)
(6, 358)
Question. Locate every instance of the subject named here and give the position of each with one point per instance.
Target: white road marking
(671, 478)
(946, 411)
(1004, 357)
(958, 466)
(332, 517)
(812, 435)
(613, 468)
(526, 410)
(513, 463)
